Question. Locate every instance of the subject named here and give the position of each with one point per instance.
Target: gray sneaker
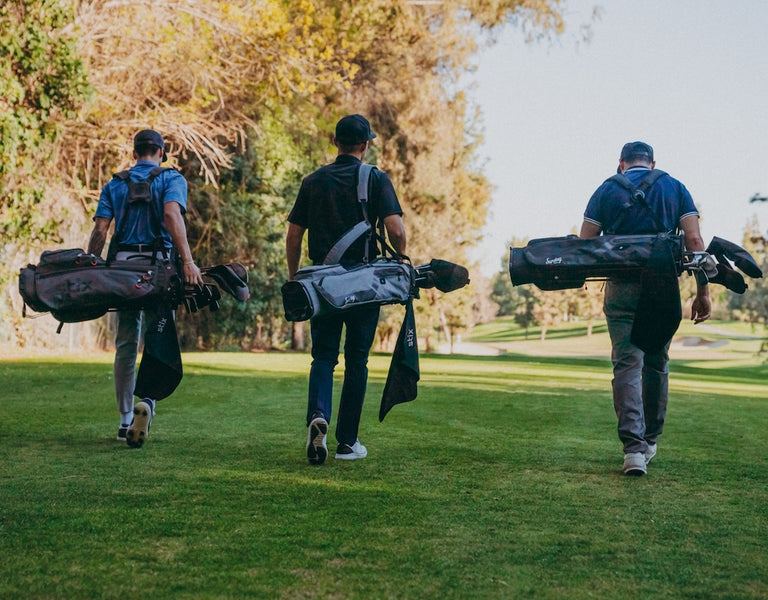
(650, 453)
(317, 451)
(634, 464)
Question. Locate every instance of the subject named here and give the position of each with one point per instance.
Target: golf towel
(403, 373)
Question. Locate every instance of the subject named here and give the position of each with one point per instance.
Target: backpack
(139, 192)
(637, 195)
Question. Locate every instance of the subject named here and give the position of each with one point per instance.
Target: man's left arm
(589, 230)
(701, 309)
(395, 232)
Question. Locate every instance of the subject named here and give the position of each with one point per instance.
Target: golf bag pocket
(325, 289)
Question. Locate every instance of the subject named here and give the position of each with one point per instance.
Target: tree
(42, 85)
(589, 303)
(752, 306)
(244, 92)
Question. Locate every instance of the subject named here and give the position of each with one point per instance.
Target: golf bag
(329, 288)
(75, 286)
(568, 262)
(558, 263)
(332, 287)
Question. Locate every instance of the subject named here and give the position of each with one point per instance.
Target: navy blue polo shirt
(169, 186)
(667, 198)
(327, 206)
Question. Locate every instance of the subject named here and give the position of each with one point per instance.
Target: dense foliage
(42, 84)
(246, 92)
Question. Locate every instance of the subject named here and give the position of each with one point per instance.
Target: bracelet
(189, 262)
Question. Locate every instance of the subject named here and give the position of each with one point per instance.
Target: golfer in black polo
(327, 206)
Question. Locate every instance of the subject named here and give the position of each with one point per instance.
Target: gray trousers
(640, 379)
(127, 339)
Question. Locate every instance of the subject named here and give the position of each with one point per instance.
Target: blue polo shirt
(667, 198)
(169, 186)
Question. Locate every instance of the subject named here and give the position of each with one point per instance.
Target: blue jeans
(326, 339)
(640, 379)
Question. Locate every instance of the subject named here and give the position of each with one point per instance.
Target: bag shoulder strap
(345, 241)
(350, 237)
(644, 185)
(637, 192)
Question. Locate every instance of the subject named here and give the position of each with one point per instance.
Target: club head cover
(446, 276)
(727, 277)
(740, 257)
(232, 278)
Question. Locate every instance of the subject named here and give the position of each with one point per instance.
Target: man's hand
(192, 275)
(701, 309)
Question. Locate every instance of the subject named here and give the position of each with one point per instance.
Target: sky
(688, 77)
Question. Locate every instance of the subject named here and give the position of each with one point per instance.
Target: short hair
(146, 149)
(638, 157)
(349, 148)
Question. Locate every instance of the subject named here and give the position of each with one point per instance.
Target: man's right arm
(293, 240)
(98, 235)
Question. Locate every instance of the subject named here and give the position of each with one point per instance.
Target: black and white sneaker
(353, 452)
(317, 450)
(139, 430)
(122, 432)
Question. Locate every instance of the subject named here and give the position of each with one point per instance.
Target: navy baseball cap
(150, 136)
(636, 150)
(353, 129)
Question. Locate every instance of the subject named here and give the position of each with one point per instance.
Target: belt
(138, 248)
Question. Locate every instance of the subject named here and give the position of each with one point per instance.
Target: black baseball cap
(151, 137)
(634, 150)
(353, 129)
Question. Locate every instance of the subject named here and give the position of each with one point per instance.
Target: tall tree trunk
(297, 335)
(446, 330)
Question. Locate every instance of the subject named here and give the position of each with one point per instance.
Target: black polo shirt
(327, 206)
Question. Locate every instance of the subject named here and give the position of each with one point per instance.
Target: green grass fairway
(502, 480)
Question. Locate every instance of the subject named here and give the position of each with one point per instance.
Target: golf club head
(445, 276)
(232, 278)
(740, 257)
(727, 277)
